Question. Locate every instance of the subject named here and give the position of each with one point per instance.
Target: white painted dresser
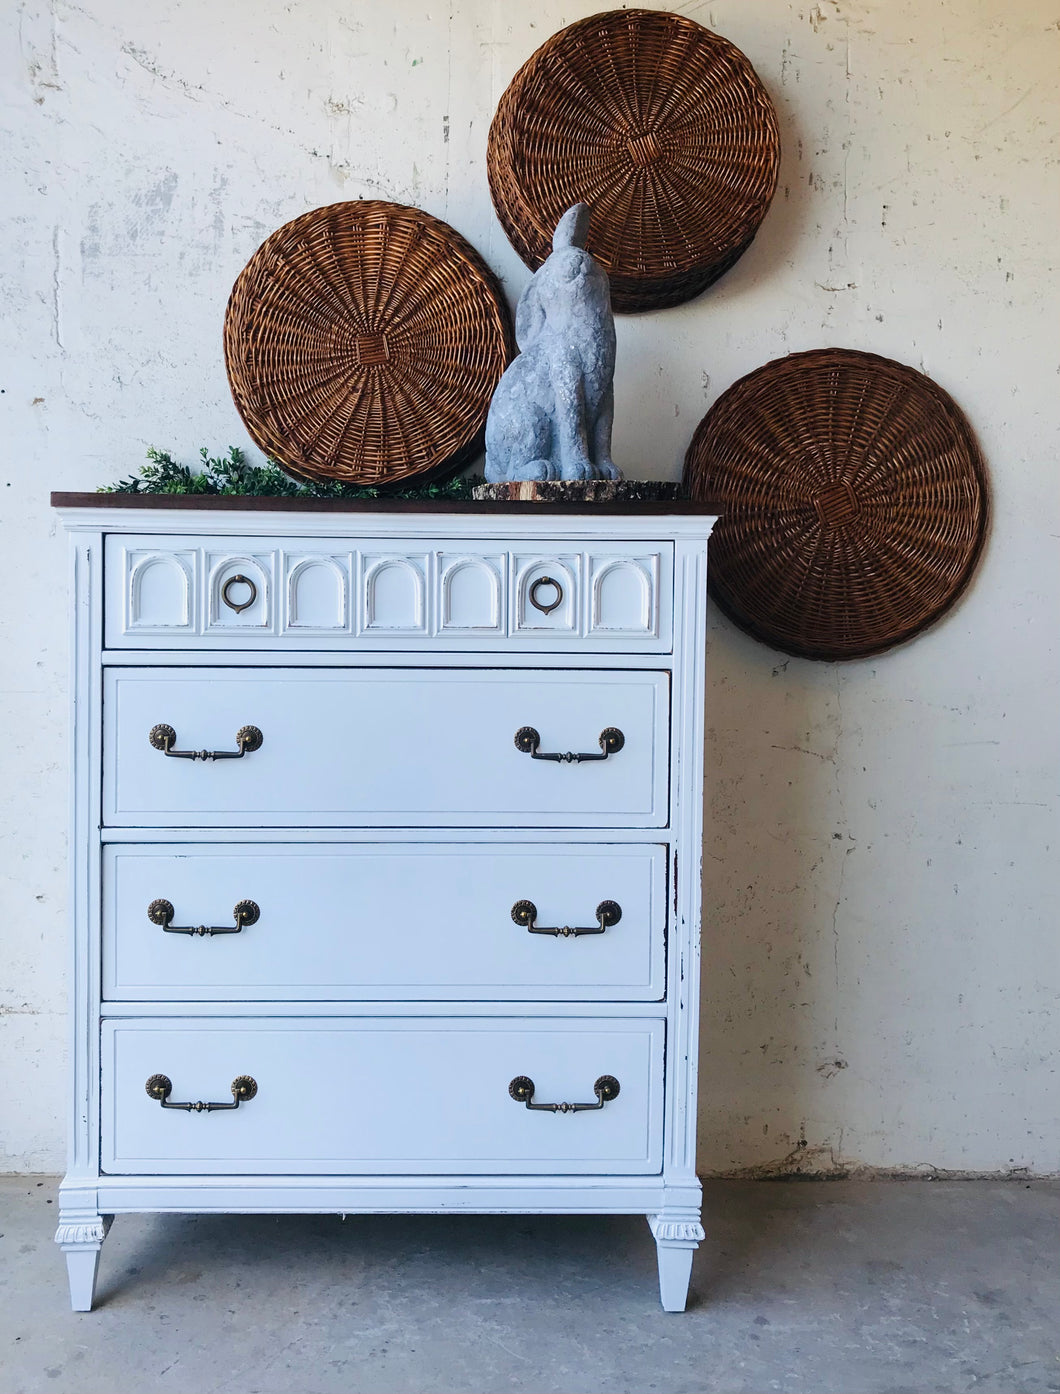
(386, 851)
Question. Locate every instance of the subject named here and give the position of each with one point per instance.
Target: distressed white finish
(386, 920)
(392, 1095)
(384, 746)
(148, 151)
(384, 998)
(615, 595)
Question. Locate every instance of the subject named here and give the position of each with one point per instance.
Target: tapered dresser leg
(676, 1240)
(80, 1240)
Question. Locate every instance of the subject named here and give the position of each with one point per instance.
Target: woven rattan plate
(363, 342)
(853, 502)
(662, 127)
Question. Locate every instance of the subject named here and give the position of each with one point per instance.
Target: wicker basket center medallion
(371, 348)
(643, 150)
(836, 504)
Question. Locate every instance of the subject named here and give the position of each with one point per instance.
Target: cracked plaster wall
(881, 950)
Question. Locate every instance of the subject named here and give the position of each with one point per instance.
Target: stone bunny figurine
(551, 415)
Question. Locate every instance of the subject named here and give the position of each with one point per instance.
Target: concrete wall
(881, 960)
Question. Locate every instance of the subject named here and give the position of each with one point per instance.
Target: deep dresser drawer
(392, 921)
(366, 594)
(383, 1096)
(384, 747)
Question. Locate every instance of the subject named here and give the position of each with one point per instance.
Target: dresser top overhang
(233, 515)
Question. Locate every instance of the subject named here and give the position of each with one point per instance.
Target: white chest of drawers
(337, 866)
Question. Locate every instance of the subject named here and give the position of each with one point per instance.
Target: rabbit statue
(551, 415)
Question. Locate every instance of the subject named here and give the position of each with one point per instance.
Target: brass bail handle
(608, 913)
(246, 912)
(528, 739)
(162, 737)
(606, 1088)
(159, 1088)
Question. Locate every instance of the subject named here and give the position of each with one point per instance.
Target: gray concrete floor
(839, 1287)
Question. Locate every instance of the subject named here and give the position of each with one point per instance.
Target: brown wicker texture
(662, 127)
(853, 502)
(363, 343)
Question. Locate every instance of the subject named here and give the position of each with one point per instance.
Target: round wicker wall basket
(662, 127)
(853, 502)
(363, 342)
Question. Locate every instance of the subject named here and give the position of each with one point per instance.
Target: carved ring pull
(545, 606)
(608, 913)
(161, 912)
(248, 738)
(611, 742)
(606, 1088)
(237, 605)
(159, 1088)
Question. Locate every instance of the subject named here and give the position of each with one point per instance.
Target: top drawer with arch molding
(515, 595)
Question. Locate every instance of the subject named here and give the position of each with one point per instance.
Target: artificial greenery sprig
(233, 474)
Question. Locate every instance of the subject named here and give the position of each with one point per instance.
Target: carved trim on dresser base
(676, 1241)
(80, 1236)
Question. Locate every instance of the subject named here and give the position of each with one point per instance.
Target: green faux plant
(233, 474)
